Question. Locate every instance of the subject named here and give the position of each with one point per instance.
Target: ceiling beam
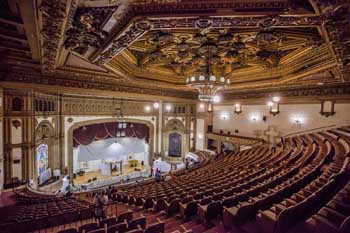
(9, 19)
(10, 35)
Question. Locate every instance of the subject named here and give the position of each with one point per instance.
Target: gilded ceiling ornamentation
(53, 16)
(87, 30)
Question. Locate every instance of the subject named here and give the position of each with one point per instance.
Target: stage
(89, 176)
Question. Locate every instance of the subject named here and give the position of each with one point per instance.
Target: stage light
(276, 99)
(147, 108)
(168, 107)
(156, 105)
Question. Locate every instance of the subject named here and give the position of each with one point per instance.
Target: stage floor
(90, 175)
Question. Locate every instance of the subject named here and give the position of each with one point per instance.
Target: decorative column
(208, 121)
(7, 149)
(187, 130)
(160, 127)
(61, 139)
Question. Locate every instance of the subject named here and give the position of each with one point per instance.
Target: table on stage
(133, 162)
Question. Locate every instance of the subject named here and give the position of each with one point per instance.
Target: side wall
(291, 119)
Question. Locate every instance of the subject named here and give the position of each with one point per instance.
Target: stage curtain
(87, 134)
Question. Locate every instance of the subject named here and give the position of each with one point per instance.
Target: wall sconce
(224, 116)
(210, 107)
(274, 105)
(297, 120)
(168, 107)
(156, 105)
(254, 118)
(238, 108)
(327, 108)
(147, 108)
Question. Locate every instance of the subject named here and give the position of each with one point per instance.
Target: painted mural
(175, 142)
(42, 161)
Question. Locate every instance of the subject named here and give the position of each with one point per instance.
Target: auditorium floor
(90, 175)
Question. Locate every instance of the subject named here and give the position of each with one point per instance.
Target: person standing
(273, 148)
(151, 171)
(158, 176)
(100, 203)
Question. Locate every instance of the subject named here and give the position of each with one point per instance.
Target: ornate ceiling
(149, 45)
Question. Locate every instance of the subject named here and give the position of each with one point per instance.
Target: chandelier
(207, 83)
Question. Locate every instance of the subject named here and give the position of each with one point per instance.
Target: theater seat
(88, 227)
(127, 216)
(155, 228)
(172, 207)
(137, 222)
(189, 209)
(120, 228)
(71, 230)
(211, 211)
(108, 222)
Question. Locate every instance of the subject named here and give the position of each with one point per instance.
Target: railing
(242, 140)
(311, 130)
(173, 160)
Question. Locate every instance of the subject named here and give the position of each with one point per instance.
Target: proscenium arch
(105, 120)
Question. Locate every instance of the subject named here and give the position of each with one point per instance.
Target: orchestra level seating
(304, 186)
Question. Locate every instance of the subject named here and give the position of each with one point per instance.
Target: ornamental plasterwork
(295, 28)
(53, 16)
(292, 92)
(96, 106)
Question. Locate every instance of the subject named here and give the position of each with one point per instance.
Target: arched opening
(108, 145)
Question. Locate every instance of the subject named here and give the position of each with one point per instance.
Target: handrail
(238, 136)
(305, 131)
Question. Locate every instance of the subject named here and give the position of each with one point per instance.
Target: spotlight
(168, 107)
(270, 103)
(201, 105)
(156, 105)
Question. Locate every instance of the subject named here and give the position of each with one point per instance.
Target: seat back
(155, 228)
(160, 205)
(125, 216)
(229, 202)
(173, 207)
(71, 230)
(345, 226)
(88, 227)
(214, 209)
(100, 230)
(186, 199)
(108, 222)
(133, 224)
(191, 208)
(205, 201)
(285, 220)
(120, 227)
(148, 203)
